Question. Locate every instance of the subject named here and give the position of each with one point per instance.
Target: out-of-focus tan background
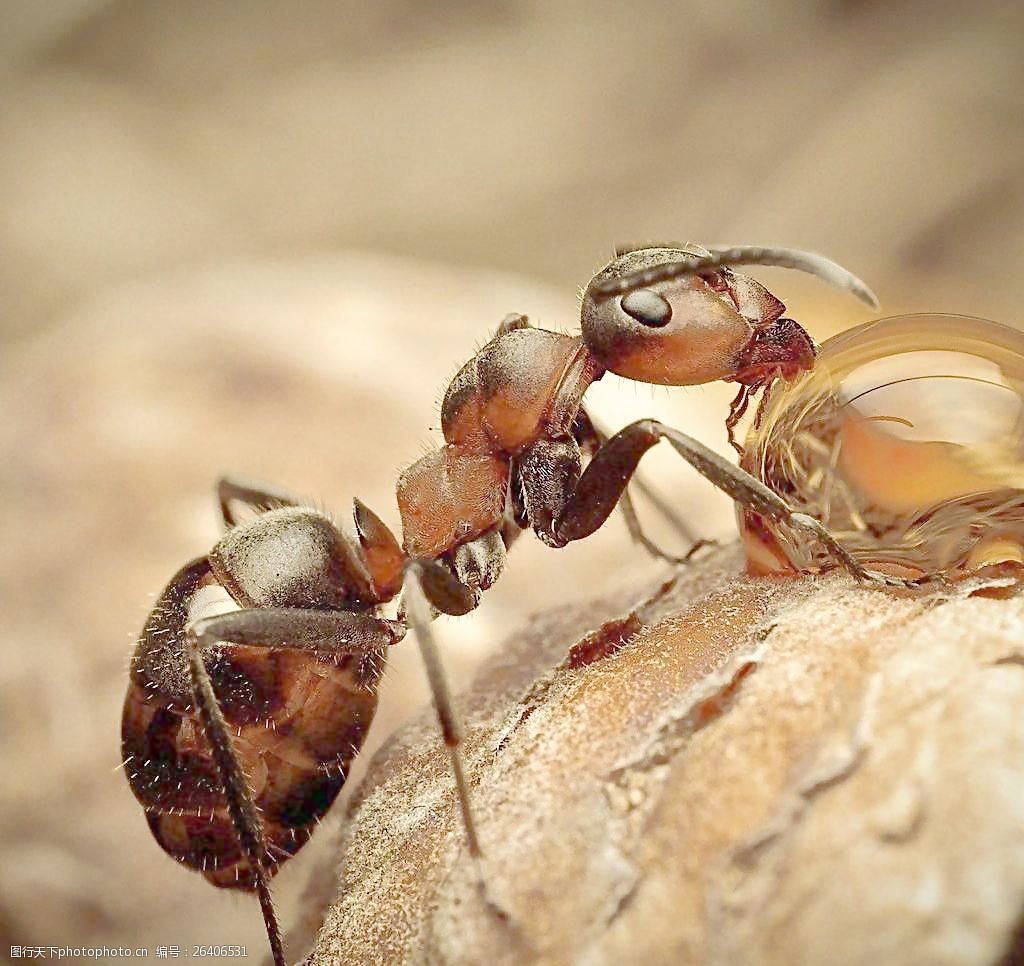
(260, 237)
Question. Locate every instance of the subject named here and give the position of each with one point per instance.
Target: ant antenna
(809, 262)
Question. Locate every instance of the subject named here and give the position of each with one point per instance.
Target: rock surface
(730, 771)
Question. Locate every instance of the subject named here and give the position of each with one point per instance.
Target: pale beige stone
(768, 772)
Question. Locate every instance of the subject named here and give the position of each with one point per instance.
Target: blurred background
(261, 238)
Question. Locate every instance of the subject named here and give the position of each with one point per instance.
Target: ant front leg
(570, 506)
(591, 439)
(338, 632)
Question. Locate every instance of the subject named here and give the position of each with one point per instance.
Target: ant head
(678, 316)
(676, 332)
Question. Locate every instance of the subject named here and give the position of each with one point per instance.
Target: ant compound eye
(907, 441)
(647, 307)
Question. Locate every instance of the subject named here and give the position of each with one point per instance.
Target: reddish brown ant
(293, 671)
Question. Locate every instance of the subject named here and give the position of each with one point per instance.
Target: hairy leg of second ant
(339, 632)
(572, 506)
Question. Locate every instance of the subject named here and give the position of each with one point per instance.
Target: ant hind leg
(241, 806)
(298, 628)
(231, 489)
(340, 632)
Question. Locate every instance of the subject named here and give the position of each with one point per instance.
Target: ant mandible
(293, 672)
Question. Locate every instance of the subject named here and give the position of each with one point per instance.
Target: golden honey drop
(907, 441)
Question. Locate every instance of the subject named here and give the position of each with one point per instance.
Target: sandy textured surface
(762, 772)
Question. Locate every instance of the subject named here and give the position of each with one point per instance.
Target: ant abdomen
(291, 556)
(294, 777)
(297, 717)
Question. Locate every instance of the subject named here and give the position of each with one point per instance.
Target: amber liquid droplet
(907, 441)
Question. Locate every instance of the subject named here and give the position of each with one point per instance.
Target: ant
(293, 672)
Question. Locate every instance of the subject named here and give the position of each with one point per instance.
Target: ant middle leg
(431, 588)
(451, 587)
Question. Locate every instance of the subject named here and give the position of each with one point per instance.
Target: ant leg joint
(442, 589)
